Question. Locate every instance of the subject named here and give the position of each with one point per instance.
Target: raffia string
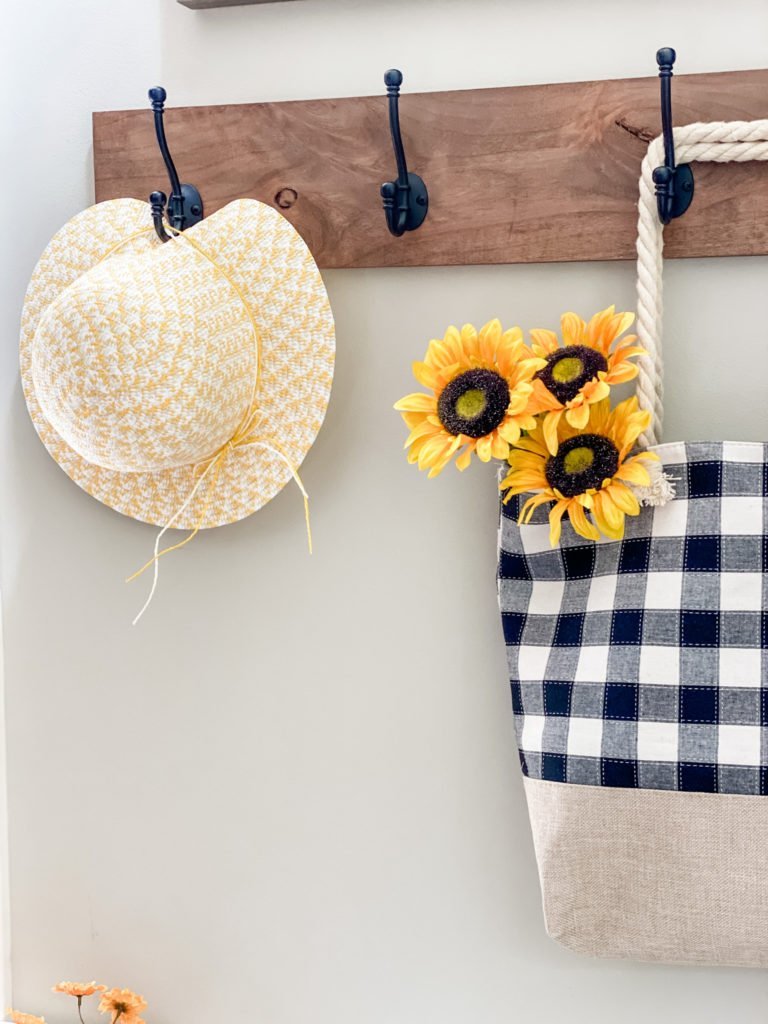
(245, 436)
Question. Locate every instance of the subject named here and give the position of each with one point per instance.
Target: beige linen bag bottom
(652, 875)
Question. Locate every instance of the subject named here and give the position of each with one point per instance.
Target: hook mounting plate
(682, 194)
(191, 205)
(418, 202)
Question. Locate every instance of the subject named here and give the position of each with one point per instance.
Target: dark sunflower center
(581, 463)
(569, 369)
(474, 403)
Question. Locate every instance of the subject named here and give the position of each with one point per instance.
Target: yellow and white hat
(183, 383)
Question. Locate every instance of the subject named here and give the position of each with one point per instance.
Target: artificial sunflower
(79, 989)
(591, 476)
(581, 371)
(481, 384)
(124, 1005)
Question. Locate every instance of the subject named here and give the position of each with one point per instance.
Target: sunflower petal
(442, 462)
(452, 341)
(523, 458)
(519, 399)
(578, 417)
(623, 498)
(581, 524)
(510, 353)
(555, 522)
(609, 519)
(526, 422)
(621, 322)
(511, 338)
(463, 461)
(413, 419)
(626, 350)
(467, 345)
(488, 339)
(542, 399)
(633, 472)
(573, 329)
(417, 402)
(531, 505)
(422, 430)
(597, 328)
(522, 483)
(433, 450)
(413, 451)
(529, 367)
(597, 390)
(425, 375)
(509, 430)
(533, 444)
(439, 354)
(499, 446)
(544, 342)
(451, 344)
(622, 373)
(483, 448)
(549, 428)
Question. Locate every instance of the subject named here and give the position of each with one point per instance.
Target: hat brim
(285, 293)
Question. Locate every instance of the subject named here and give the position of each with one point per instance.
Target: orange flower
(79, 989)
(23, 1018)
(580, 372)
(123, 1004)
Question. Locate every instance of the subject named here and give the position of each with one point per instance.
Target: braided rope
(719, 142)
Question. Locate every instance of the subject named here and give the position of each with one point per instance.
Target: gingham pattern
(643, 663)
(145, 358)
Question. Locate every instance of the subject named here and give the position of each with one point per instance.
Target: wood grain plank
(515, 175)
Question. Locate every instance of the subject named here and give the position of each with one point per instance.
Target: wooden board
(515, 175)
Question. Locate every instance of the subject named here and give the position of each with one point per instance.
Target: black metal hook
(406, 200)
(185, 205)
(674, 185)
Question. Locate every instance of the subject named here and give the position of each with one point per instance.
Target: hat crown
(147, 361)
(254, 256)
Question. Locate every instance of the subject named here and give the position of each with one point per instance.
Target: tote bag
(639, 673)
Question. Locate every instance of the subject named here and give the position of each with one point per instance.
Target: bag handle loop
(717, 141)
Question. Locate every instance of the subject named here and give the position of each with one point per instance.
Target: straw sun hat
(181, 383)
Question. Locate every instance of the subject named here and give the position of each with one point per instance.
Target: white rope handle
(718, 141)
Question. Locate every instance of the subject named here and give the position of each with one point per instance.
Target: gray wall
(291, 794)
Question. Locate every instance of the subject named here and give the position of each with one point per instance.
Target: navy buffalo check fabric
(644, 662)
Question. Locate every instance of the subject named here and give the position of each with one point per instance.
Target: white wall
(291, 796)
